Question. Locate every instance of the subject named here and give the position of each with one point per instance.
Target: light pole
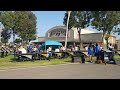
(67, 28)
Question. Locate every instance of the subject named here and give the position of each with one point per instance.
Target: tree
(9, 21)
(27, 25)
(106, 38)
(5, 36)
(78, 19)
(21, 23)
(18, 41)
(117, 30)
(105, 21)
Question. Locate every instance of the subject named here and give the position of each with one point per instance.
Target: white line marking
(34, 67)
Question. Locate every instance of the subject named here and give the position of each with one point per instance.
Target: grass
(7, 62)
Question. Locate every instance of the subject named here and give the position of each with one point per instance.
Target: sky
(48, 19)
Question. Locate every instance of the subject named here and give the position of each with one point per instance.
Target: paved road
(69, 71)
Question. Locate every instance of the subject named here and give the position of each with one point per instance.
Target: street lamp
(67, 28)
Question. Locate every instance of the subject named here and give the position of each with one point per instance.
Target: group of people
(75, 48)
(32, 48)
(59, 49)
(4, 51)
(35, 48)
(94, 50)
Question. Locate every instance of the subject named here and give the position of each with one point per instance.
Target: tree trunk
(79, 34)
(13, 37)
(103, 39)
(107, 43)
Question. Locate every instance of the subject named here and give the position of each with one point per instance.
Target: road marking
(33, 67)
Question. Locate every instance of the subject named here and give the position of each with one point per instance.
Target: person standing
(6, 51)
(90, 52)
(30, 48)
(63, 52)
(110, 47)
(2, 52)
(86, 47)
(49, 51)
(97, 50)
(14, 50)
(34, 52)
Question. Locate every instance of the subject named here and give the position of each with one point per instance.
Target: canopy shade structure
(52, 43)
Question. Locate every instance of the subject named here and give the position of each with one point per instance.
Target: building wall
(83, 31)
(112, 40)
(118, 44)
(73, 36)
(75, 33)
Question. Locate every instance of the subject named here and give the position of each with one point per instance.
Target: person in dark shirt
(97, 50)
(30, 48)
(2, 52)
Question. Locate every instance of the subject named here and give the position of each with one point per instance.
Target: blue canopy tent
(48, 43)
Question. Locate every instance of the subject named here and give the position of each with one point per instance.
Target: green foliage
(3, 40)
(107, 36)
(18, 40)
(5, 34)
(117, 31)
(7, 62)
(27, 25)
(105, 21)
(78, 19)
(8, 19)
(22, 23)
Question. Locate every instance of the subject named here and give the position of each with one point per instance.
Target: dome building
(58, 33)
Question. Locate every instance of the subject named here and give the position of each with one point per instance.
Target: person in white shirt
(110, 47)
(63, 48)
(35, 48)
(49, 52)
(22, 50)
(86, 48)
(76, 48)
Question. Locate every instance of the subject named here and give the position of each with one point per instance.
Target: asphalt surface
(68, 71)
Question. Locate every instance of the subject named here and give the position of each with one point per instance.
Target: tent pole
(45, 47)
